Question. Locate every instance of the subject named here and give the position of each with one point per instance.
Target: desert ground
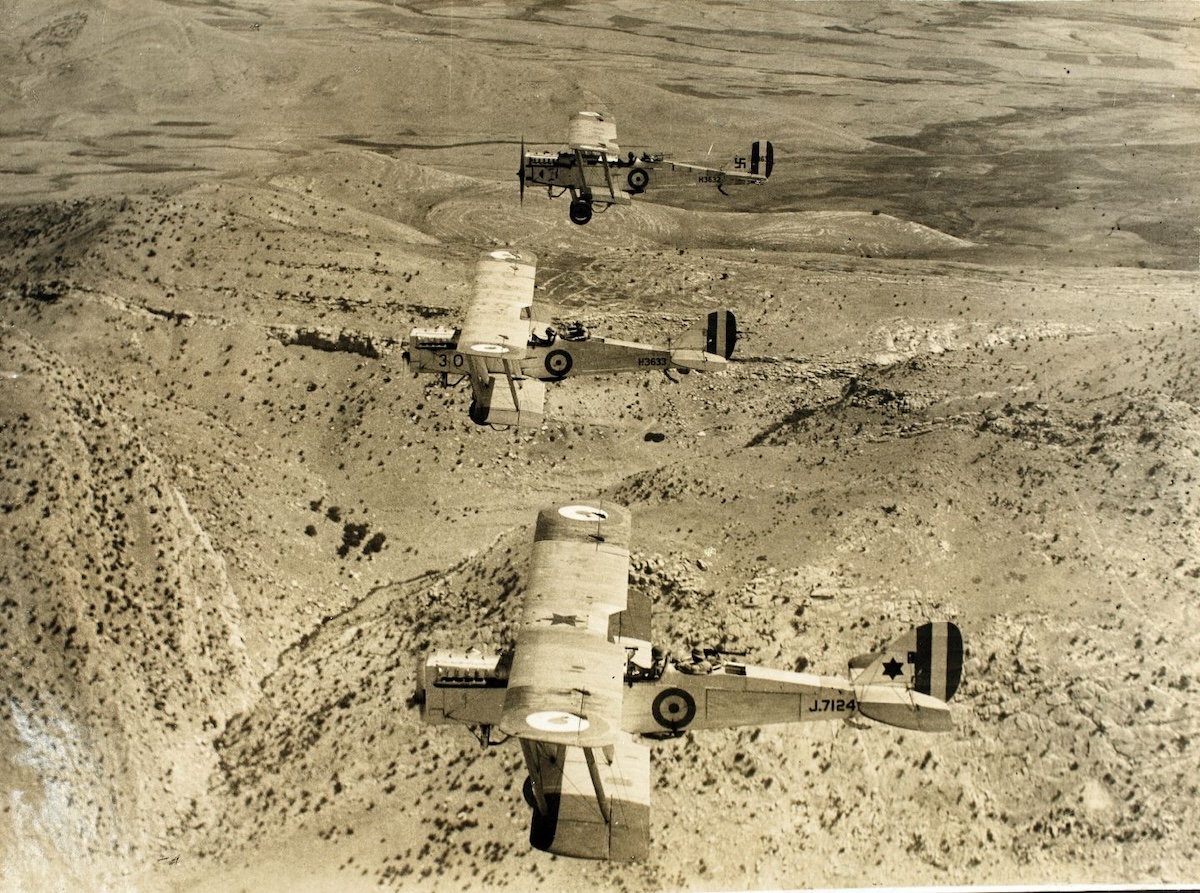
(967, 387)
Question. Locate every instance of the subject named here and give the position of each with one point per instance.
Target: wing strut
(589, 754)
(510, 371)
(612, 192)
(536, 785)
(583, 186)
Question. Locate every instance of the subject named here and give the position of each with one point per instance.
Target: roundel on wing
(558, 363)
(583, 513)
(673, 708)
(556, 721)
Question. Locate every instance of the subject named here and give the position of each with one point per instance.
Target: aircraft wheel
(559, 363)
(581, 212)
(638, 179)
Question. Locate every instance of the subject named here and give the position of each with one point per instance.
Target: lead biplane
(593, 171)
(508, 355)
(582, 684)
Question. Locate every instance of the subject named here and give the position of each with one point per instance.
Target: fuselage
(472, 691)
(433, 351)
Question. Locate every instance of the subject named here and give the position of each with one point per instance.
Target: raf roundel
(583, 513)
(489, 347)
(556, 721)
(673, 709)
(559, 363)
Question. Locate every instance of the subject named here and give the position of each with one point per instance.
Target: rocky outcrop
(122, 655)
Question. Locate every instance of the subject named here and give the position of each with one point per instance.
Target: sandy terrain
(231, 522)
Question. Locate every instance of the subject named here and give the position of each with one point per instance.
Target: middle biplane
(582, 684)
(593, 171)
(507, 354)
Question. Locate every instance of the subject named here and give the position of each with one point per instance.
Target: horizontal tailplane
(697, 361)
(894, 706)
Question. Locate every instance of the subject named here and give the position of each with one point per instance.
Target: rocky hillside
(231, 522)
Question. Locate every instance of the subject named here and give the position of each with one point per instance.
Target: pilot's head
(697, 655)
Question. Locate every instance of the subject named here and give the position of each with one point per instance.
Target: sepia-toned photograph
(598, 446)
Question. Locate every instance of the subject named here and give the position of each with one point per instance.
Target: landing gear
(638, 178)
(483, 734)
(580, 211)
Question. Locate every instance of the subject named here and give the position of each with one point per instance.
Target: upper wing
(498, 322)
(565, 685)
(592, 133)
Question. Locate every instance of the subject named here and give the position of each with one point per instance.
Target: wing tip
(511, 255)
(598, 519)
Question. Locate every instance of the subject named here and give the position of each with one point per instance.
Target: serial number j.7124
(831, 705)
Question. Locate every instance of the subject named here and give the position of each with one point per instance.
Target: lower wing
(590, 803)
(506, 401)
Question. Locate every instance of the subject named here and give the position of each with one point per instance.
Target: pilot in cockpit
(698, 666)
(545, 340)
(658, 662)
(659, 657)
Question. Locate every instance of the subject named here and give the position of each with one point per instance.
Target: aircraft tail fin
(762, 158)
(927, 660)
(715, 334)
(908, 683)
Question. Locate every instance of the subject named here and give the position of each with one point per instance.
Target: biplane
(592, 169)
(582, 687)
(507, 355)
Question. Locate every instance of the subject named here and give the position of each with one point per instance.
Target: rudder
(762, 158)
(720, 333)
(927, 660)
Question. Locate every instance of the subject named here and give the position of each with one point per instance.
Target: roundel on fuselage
(673, 708)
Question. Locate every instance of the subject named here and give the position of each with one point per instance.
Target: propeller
(521, 170)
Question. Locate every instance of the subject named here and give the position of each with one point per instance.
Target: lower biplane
(594, 172)
(582, 685)
(507, 355)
